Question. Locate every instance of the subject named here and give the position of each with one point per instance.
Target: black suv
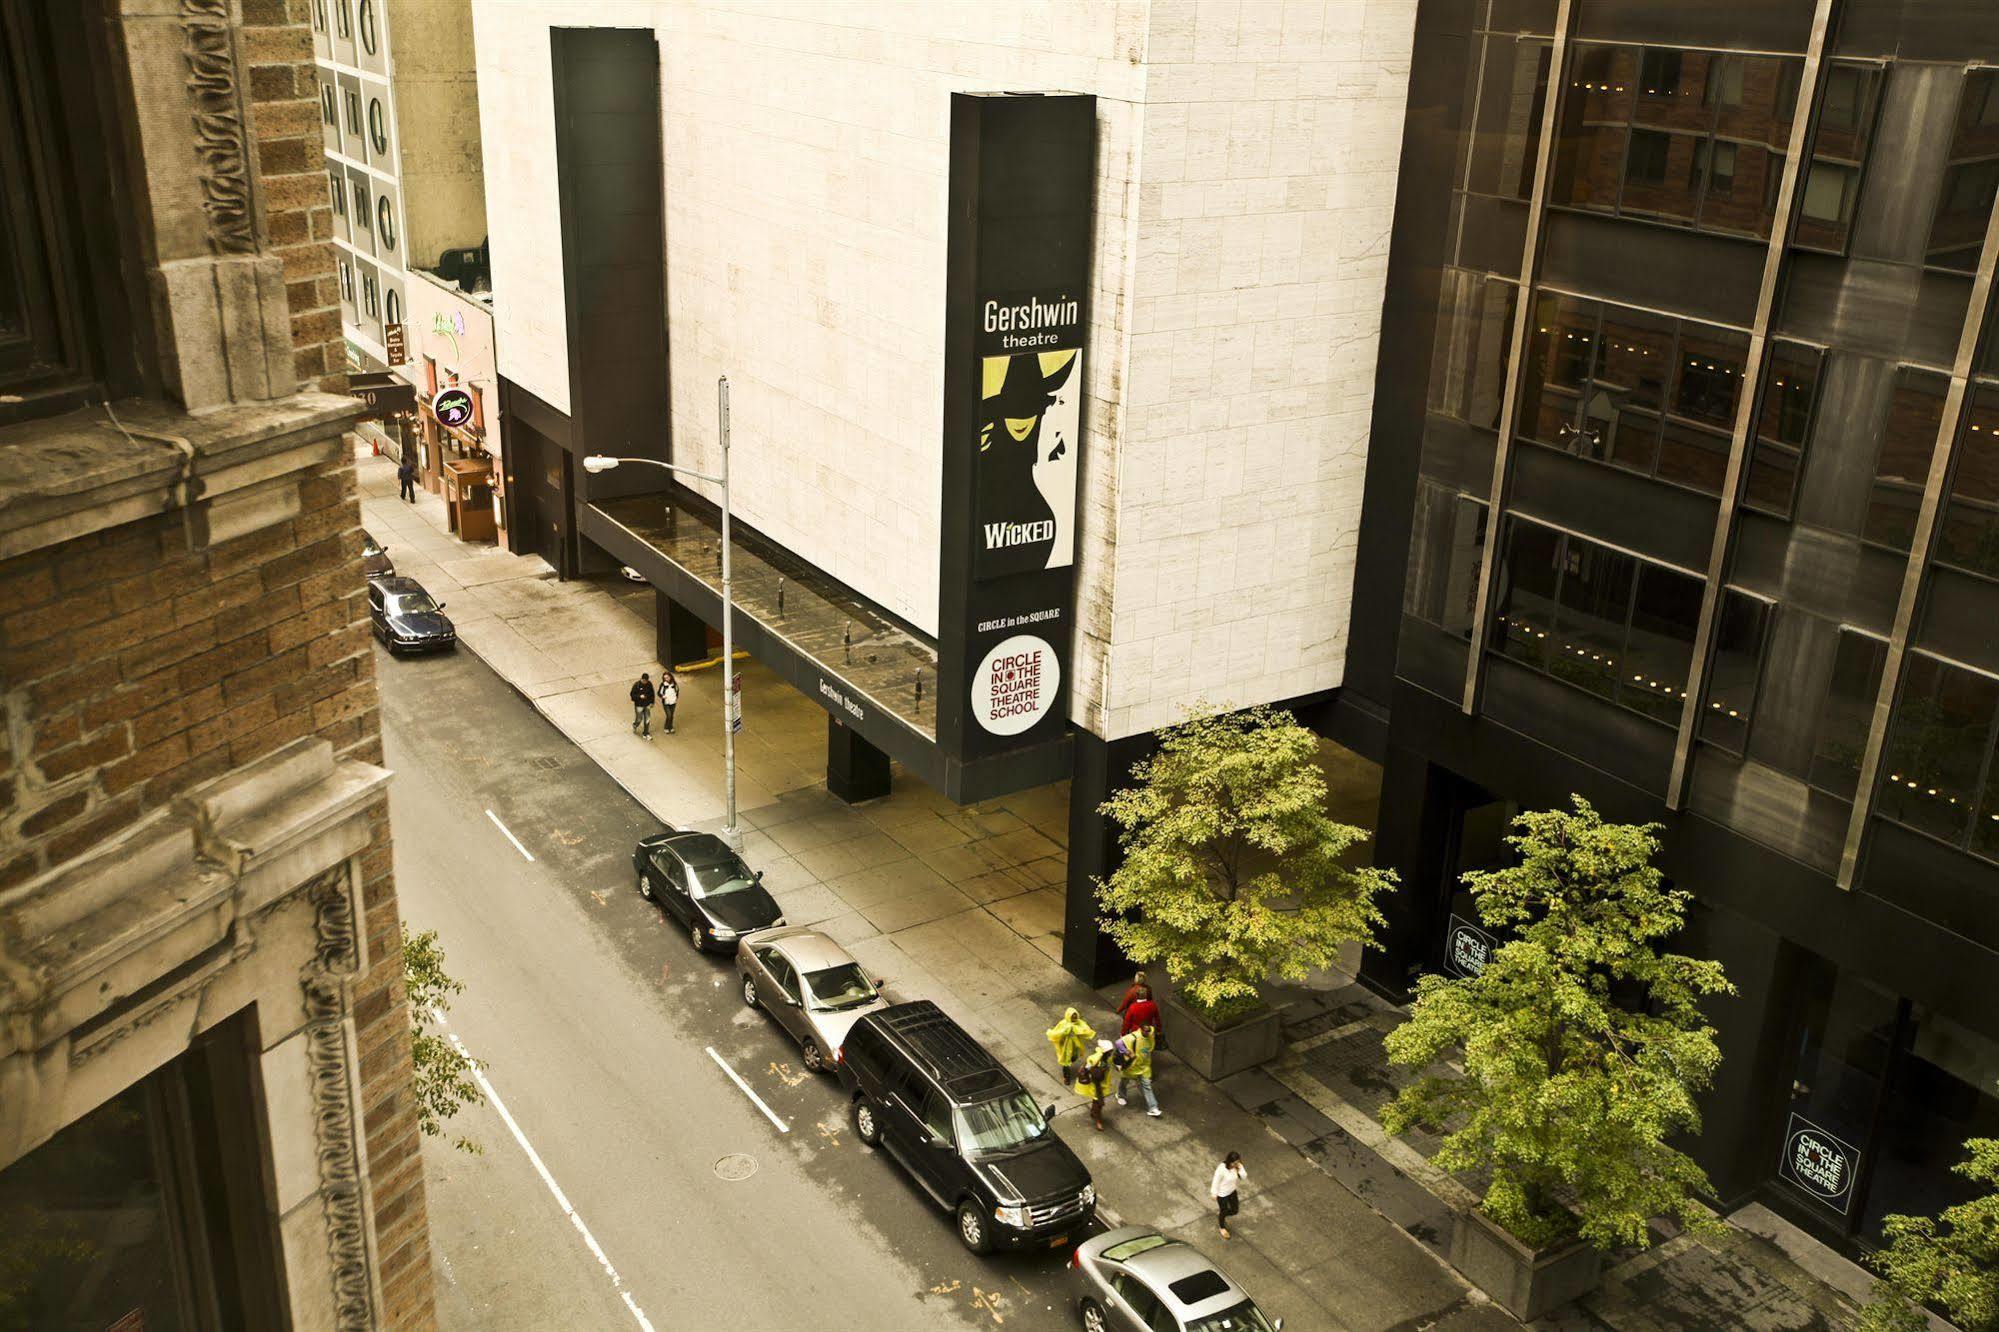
(965, 1128)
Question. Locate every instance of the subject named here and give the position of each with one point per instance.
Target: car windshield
(1003, 1125)
(838, 987)
(370, 546)
(728, 876)
(1244, 1317)
(411, 603)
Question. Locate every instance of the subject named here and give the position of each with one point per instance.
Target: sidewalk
(1341, 1227)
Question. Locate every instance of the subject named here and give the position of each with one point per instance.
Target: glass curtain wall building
(1697, 514)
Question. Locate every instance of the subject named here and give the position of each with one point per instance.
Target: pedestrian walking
(642, 698)
(1093, 1081)
(1143, 1012)
(406, 478)
(1133, 992)
(1228, 1178)
(1136, 1070)
(669, 698)
(1070, 1036)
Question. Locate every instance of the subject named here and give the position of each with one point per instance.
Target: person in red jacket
(1132, 993)
(1142, 1012)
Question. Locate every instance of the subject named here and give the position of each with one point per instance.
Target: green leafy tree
(1232, 871)
(1951, 1260)
(443, 1076)
(1584, 1045)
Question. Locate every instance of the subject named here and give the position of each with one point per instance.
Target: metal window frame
(1523, 316)
(1922, 552)
(1736, 468)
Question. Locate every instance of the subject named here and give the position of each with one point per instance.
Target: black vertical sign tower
(1023, 174)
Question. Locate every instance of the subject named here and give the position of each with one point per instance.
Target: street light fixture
(598, 462)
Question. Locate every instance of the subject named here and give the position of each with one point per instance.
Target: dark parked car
(375, 561)
(406, 619)
(697, 878)
(965, 1128)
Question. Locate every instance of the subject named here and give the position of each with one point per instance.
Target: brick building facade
(200, 961)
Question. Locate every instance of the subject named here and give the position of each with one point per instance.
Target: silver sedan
(1137, 1280)
(811, 985)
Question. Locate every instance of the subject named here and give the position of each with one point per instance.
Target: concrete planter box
(1525, 1282)
(1213, 1052)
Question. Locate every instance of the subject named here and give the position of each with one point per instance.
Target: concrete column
(855, 769)
(682, 635)
(1422, 808)
(1101, 768)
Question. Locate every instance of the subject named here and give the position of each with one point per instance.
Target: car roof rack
(962, 1066)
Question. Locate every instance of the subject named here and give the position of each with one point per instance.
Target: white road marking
(769, 1114)
(510, 835)
(534, 1157)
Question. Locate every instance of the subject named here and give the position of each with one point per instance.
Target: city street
(597, 1022)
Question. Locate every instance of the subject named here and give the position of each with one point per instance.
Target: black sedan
(406, 619)
(698, 879)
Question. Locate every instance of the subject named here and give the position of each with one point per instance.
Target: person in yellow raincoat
(1093, 1081)
(1070, 1037)
(1138, 1069)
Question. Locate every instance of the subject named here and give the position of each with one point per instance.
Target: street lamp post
(604, 463)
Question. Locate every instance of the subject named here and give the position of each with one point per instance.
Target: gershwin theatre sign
(1022, 172)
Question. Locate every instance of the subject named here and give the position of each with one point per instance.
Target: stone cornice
(71, 475)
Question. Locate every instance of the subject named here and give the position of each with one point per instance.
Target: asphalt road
(596, 1019)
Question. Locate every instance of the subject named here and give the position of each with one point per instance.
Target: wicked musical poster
(1030, 424)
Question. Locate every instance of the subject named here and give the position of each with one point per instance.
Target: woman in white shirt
(1228, 1176)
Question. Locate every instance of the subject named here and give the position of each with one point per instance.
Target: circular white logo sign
(1015, 685)
(453, 407)
(1818, 1164)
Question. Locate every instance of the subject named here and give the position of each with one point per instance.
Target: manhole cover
(736, 1165)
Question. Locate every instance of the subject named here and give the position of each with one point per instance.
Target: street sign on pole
(736, 703)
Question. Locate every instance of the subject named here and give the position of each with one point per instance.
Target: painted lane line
(509, 832)
(769, 1113)
(534, 1158)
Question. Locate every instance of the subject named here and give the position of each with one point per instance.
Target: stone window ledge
(68, 476)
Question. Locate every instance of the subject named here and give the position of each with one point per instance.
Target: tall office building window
(1969, 538)
(1939, 775)
(1971, 176)
(1783, 424)
(1644, 392)
(378, 126)
(385, 222)
(1599, 619)
(1683, 137)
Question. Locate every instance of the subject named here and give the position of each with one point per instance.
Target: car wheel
(749, 992)
(1093, 1317)
(645, 887)
(866, 1127)
(972, 1228)
(694, 934)
(811, 1056)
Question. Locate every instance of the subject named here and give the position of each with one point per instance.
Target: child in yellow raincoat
(1093, 1081)
(1070, 1037)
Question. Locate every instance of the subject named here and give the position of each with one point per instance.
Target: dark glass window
(1848, 713)
(1783, 424)
(1736, 670)
(327, 110)
(1969, 537)
(1839, 150)
(1596, 618)
(1902, 465)
(1689, 138)
(369, 37)
(370, 301)
(344, 17)
(353, 110)
(378, 125)
(1474, 334)
(337, 192)
(1964, 202)
(361, 219)
(1940, 744)
(1663, 617)
(385, 223)
(319, 15)
(392, 307)
(1446, 549)
(1513, 86)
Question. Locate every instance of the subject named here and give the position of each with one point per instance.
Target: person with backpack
(669, 698)
(642, 698)
(1136, 1068)
(1093, 1081)
(1070, 1036)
